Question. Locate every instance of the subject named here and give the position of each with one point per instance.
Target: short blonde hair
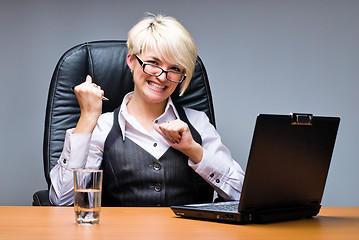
(169, 38)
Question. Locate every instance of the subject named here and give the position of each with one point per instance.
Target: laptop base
(262, 216)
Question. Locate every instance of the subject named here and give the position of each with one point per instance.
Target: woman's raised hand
(89, 95)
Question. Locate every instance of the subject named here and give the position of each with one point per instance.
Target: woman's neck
(145, 112)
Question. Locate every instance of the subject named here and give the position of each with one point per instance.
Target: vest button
(158, 187)
(157, 166)
(155, 144)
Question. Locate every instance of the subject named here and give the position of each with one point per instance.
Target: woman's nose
(162, 77)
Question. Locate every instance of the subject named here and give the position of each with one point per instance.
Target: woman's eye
(176, 69)
(152, 62)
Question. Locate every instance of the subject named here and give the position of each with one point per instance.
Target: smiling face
(152, 89)
(166, 37)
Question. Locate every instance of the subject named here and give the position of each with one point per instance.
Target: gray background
(262, 56)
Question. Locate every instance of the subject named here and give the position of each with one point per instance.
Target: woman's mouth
(156, 86)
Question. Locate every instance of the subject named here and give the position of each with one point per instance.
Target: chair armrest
(41, 198)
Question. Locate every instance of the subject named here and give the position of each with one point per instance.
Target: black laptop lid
(288, 161)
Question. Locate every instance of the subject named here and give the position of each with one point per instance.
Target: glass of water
(87, 199)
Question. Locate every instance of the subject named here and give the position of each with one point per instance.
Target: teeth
(159, 87)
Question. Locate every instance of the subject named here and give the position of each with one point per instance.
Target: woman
(151, 151)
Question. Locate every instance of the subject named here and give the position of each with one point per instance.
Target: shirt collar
(124, 116)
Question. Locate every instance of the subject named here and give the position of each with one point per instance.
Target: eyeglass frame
(143, 65)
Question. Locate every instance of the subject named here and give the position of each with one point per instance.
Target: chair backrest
(105, 61)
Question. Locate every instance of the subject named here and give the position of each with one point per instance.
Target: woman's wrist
(195, 153)
(86, 124)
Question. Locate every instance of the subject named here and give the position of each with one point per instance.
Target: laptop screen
(288, 161)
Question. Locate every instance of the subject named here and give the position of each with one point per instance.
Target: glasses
(154, 70)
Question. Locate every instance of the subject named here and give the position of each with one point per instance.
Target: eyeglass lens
(155, 70)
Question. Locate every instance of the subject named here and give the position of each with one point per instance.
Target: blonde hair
(169, 38)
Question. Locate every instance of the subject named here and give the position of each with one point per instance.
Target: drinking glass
(87, 196)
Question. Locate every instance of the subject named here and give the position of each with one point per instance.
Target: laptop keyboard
(226, 207)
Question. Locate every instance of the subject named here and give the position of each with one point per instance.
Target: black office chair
(105, 61)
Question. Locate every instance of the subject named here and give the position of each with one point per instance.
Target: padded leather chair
(105, 61)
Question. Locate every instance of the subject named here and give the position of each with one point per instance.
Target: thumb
(157, 128)
(88, 79)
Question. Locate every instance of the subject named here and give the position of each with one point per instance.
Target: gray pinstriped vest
(133, 177)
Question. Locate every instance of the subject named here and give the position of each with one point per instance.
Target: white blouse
(86, 151)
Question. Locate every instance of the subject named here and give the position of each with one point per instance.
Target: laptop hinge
(301, 118)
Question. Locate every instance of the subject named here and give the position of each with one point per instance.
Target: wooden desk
(160, 223)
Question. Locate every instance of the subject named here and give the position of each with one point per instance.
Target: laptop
(286, 172)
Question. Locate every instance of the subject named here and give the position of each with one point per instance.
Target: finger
(96, 86)
(159, 130)
(170, 137)
(173, 128)
(88, 79)
(167, 129)
(102, 93)
(156, 127)
(171, 133)
(163, 133)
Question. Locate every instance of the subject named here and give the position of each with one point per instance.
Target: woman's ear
(129, 61)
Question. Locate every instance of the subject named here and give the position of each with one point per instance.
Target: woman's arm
(217, 166)
(73, 156)
(83, 146)
(80, 151)
(212, 161)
